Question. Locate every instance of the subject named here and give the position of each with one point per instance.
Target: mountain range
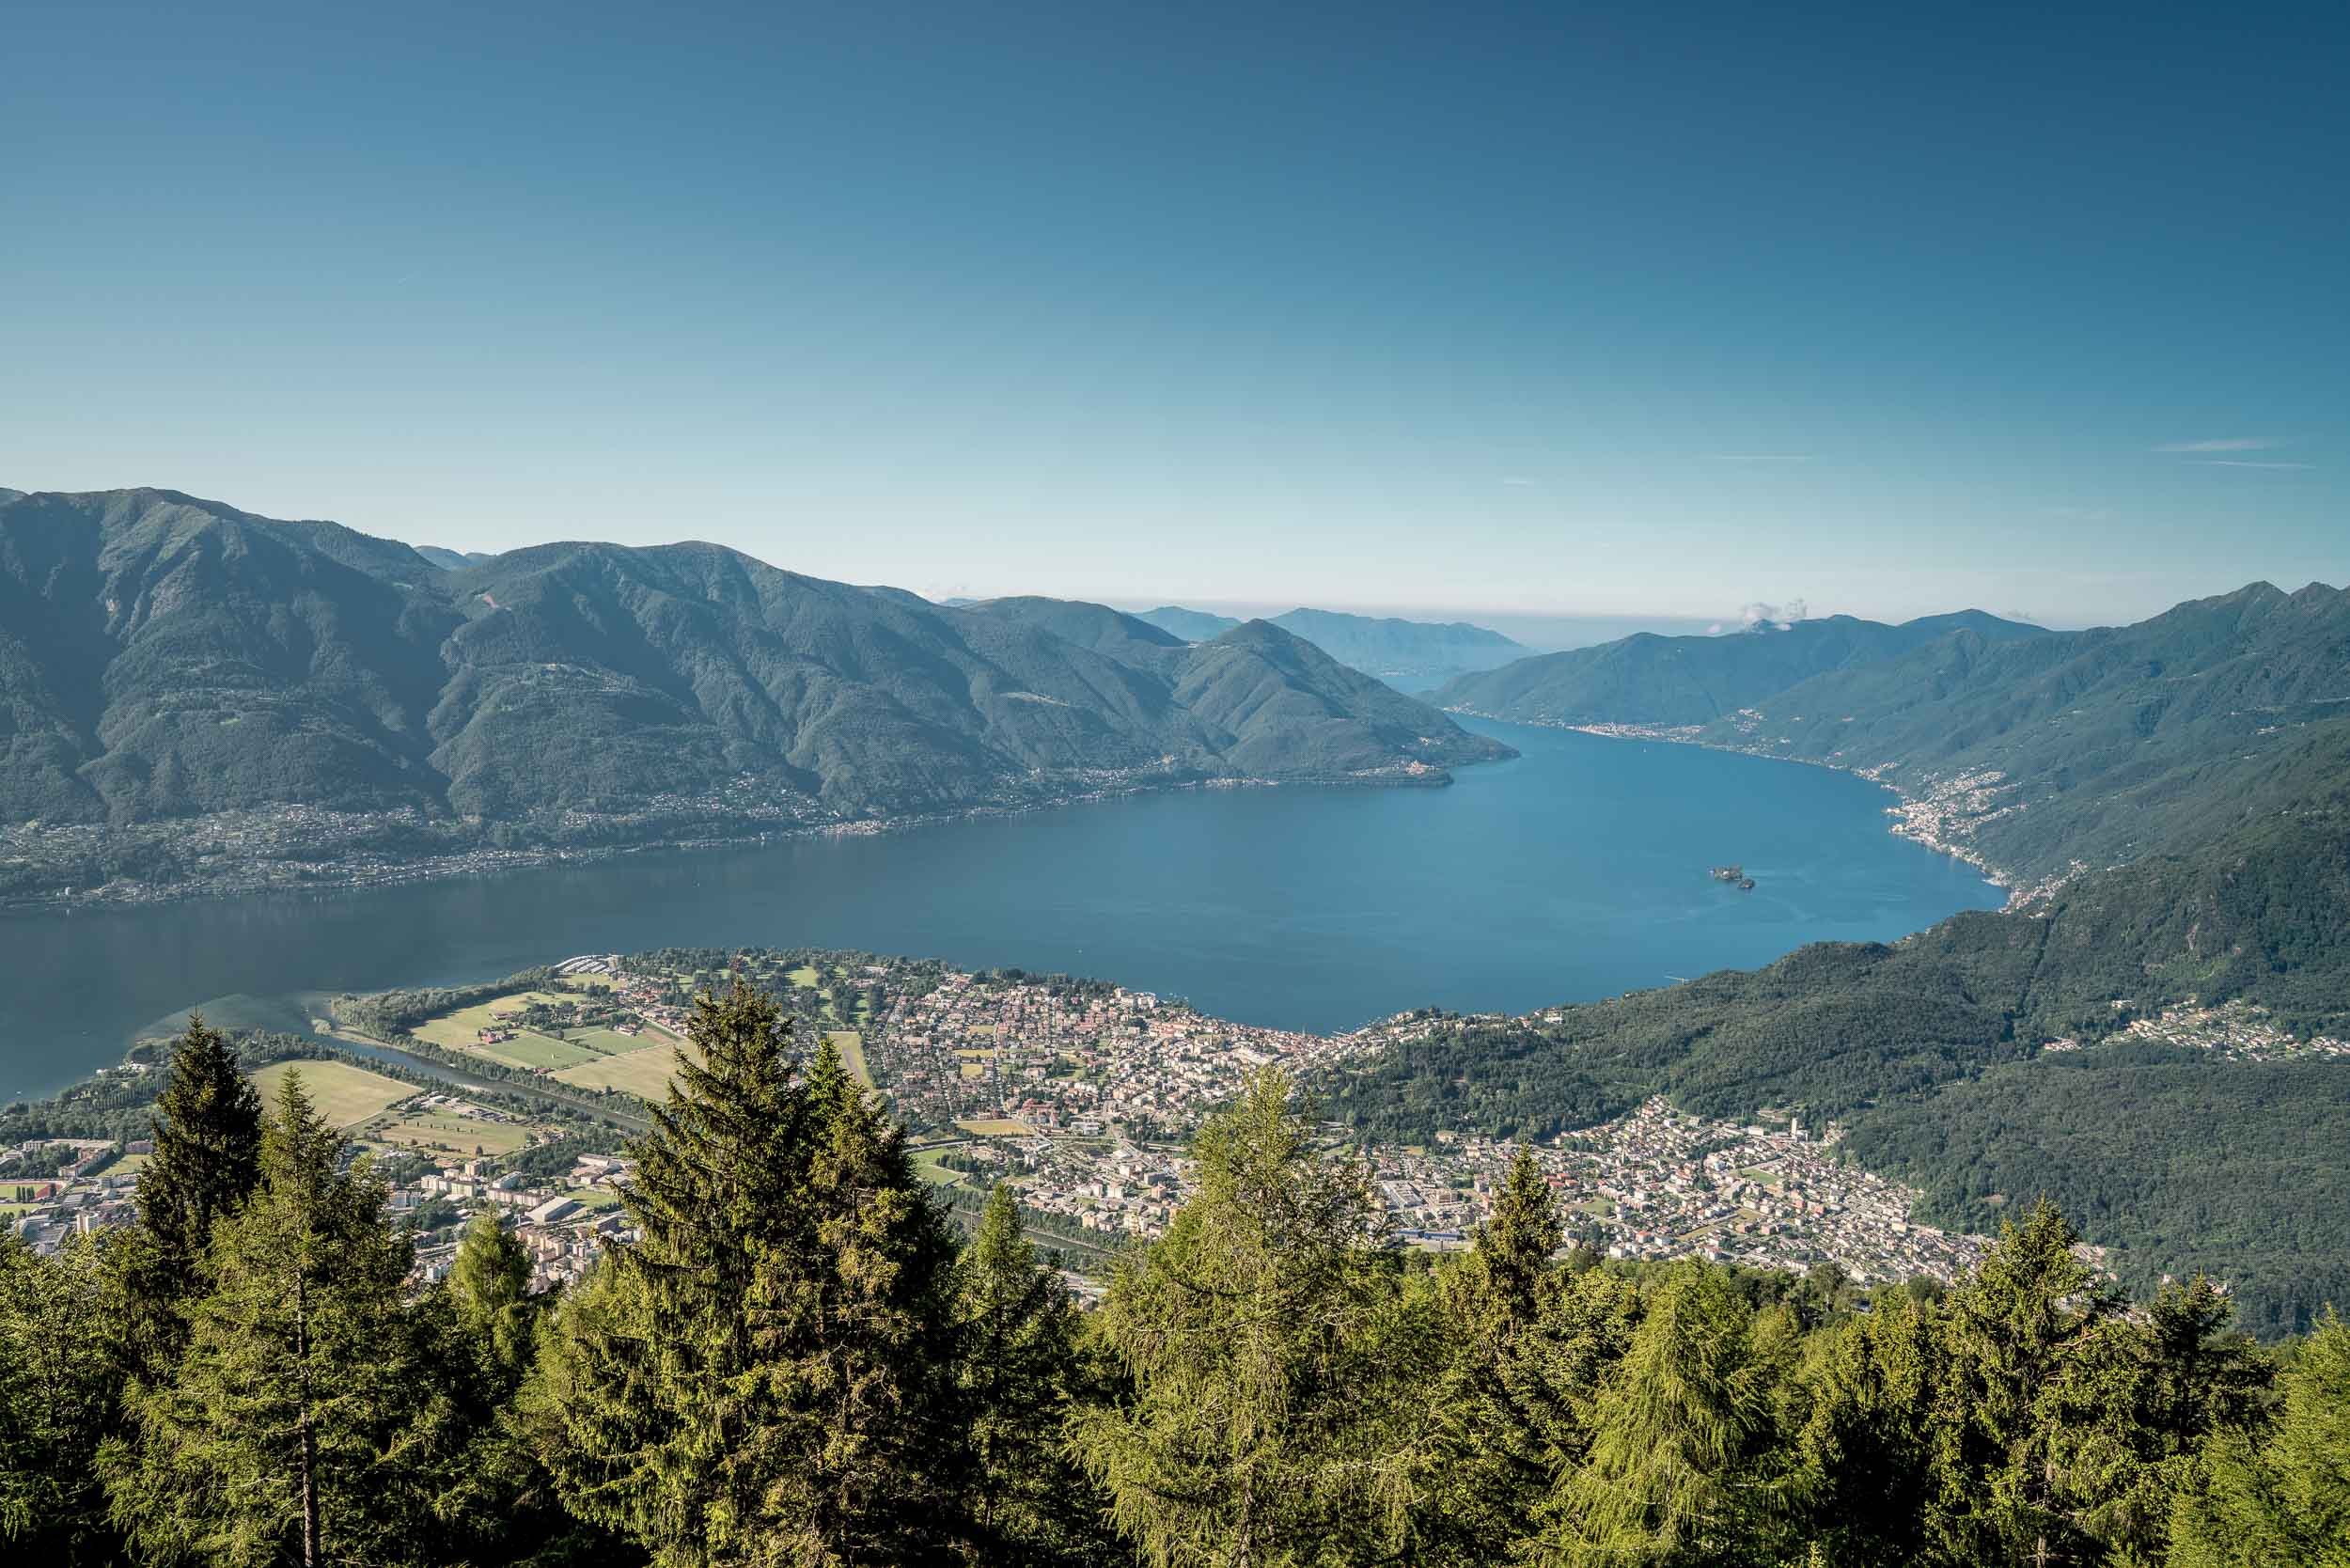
(1660, 680)
(163, 658)
(2044, 753)
(1415, 655)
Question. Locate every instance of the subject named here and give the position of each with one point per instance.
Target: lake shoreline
(1914, 824)
(364, 873)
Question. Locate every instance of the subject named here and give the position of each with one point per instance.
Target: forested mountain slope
(163, 658)
(1932, 1050)
(1650, 680)
(2105, 743)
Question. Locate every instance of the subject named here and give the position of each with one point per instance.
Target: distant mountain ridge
(1419, 653)
(1662, 680)
(163, 658)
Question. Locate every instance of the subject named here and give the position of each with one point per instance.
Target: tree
(2284, 1499)
(208, 1147)
(1278, 1360)
(489, 1289)
(289, 1429)
(1020, 1374)
(2029, 1361)
(1864, 1441)
(59, 1382)
(767, 1376)
(208, 1150)
(1677, 1466)
(1502, 1410)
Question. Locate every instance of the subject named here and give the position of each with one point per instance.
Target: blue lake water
(1577, 870)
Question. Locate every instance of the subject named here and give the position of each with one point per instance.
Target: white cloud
(2236, 463)
(2228, 444)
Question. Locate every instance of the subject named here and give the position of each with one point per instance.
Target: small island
(1735, 875)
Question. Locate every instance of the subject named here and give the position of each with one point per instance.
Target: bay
(1577, 870)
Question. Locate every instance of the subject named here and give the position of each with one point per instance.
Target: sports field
(344, 1095)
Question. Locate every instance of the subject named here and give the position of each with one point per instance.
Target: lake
(1577, 871)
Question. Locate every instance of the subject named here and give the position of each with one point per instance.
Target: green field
(610, 1042)
(440, 1132)
(926, 1166)
(531, 1050)
(851, 1048)
(344, 1095)
(803, 975)
(995, 1126)
(644, 1073)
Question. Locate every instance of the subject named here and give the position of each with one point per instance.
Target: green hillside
(165, 658)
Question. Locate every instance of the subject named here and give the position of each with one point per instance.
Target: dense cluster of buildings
(1062, 1056)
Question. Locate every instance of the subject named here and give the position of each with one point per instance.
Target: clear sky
(1638, 309)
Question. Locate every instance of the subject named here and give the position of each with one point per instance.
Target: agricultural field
(644, 1072)
(344, 1095)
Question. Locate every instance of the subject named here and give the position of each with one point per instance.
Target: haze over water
(1575, 873)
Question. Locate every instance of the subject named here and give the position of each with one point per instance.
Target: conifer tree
(59, 1382)
(208, 1148)
(766, 1376)
(1865, 1435)
(1675, 1467)
(489, 1289)
(284, 1432)
(1020, 1377)
(2284, 1499)
(1500, 1414)
(2031, 1361)
(1277, 1359)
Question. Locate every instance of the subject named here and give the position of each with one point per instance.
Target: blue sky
(1650, 310)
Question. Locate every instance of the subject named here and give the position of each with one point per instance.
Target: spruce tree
(208, 1148)
(284, 1432)
(2035, 1358)
(59, 1379)
(2284, 1498)
(1020, 1374)
(766, 1377)
(1865, 1439)
(1278, 1362)
(1500, 1416)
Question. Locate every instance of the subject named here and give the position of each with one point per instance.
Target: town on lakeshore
(520, 1096)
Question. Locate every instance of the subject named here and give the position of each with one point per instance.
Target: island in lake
(1735, 875)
